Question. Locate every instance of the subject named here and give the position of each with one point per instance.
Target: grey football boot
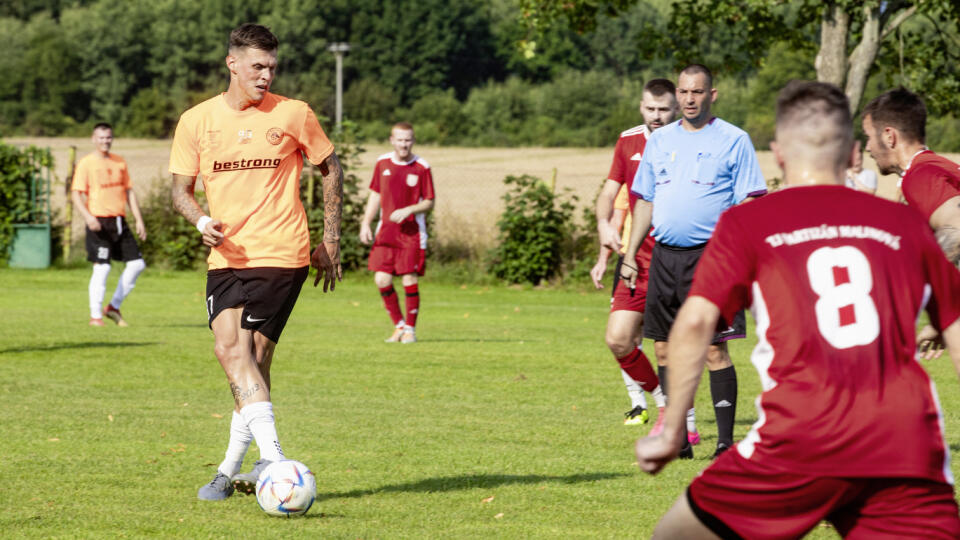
(217, 490)
(247, 482)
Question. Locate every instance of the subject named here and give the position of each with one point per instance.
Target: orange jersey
(105, 180)
(250, 162)
(622, 202)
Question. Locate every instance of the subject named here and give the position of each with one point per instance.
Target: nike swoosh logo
(251, 320)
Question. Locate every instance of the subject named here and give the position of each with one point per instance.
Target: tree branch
(893, 23)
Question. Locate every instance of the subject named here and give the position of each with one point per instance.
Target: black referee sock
(723, 390)
(662, 374)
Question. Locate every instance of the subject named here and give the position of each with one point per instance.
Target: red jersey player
(402, 191)
(895, 126)
(835, 279)
(658, 108)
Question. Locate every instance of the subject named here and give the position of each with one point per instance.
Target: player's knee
(718, 358)
(619, 343)
(137, 264)
(381, 279)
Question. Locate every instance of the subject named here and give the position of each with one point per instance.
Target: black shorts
(266, 294)
(671, 275)
(114, 241)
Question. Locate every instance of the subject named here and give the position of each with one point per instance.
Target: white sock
(259, 419)
(240, 438)
(659, 398)
(97, 289)
(634, 391)
(691, 421)
(128, 280)
(408, 328)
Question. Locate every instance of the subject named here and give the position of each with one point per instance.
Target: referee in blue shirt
(692, 170)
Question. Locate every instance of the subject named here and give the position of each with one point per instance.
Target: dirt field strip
(468, 181)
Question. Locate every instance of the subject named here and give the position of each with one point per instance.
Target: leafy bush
(172, 242)
(533, 229)
(17, 170)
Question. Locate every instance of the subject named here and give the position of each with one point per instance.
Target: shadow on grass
(470, 481)
(80, 345)
(474, 340)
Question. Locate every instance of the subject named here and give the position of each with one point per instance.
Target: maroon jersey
(400, 185)
(626, 159)
(836, 280)
(929, 181)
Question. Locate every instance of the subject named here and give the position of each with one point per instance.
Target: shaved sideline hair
(659, 87)
(900, 109)
(814, 124)
(252, 35)
(693, 69)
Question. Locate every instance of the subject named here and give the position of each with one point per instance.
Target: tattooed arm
(327, 260)
(184, 201)
(945, 222)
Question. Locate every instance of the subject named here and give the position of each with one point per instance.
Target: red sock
(638, 368)
(392, 303)
(412, 302)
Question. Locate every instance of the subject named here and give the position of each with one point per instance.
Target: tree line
(469, 72)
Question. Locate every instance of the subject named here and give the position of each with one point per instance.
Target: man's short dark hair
(659, 87)
(901, 109)
(816, 115)
(253, 35)
(102, 125)
(694, 69)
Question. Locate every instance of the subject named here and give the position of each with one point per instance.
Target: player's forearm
(134, 205)
(948, 237)
(370, 211)
(423, 206)
(81, 205)
(181, 193)
(332, 174)
(642, 214)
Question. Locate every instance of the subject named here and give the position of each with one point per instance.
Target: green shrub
(150, 114)
(18, 168)
(438, 118)
(533, 229)
(172, 242)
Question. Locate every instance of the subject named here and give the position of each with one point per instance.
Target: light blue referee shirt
(691, 177)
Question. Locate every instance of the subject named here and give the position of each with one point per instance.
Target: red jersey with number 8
(836, 279)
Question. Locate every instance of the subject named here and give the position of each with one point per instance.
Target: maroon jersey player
(402, 192)
(895, 126)
(835, 279)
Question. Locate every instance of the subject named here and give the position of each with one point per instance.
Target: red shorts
(397, 261)
(623, 297)
(738, 498)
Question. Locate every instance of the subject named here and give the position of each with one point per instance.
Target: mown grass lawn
(504, 421)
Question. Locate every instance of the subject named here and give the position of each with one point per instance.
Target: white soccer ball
(286, 488)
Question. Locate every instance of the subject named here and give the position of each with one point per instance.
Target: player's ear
(231, 62)
(713, 95)
(777, 154)
(889, 137)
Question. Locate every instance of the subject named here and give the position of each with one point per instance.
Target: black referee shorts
(267, 296)
(671, 276)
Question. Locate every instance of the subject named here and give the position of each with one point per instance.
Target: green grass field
(503, 421)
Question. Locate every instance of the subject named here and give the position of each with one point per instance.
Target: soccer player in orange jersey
(101, 191)
(248, 145)
(402, 192)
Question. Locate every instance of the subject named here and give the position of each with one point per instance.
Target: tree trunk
(863, 56)
(831, 62)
